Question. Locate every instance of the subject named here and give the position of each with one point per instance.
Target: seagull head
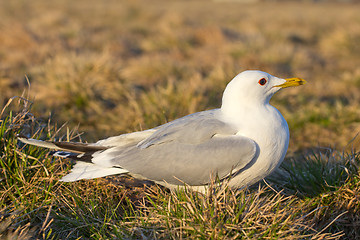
(254, 87)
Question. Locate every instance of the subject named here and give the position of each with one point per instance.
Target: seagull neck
(233, 111)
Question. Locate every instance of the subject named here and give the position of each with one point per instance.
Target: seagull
(244, 140)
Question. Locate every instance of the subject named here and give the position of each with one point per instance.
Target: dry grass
(116, 67)
(106, 59)
(317, 198)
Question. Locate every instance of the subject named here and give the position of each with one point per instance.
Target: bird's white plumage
(246, 106)
(84, 170)
(246, 137)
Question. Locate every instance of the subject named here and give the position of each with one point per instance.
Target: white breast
(269, 130)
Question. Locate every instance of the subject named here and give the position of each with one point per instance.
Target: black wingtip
(21, 136)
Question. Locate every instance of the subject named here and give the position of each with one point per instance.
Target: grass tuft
(314, 198)
(316, 173)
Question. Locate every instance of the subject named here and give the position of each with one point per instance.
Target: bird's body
(246, 137)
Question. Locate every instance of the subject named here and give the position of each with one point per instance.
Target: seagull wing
(190, 150)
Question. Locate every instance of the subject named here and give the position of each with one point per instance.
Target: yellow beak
(292, 82)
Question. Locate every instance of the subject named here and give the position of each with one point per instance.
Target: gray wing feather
(190, 163)
(194, 129)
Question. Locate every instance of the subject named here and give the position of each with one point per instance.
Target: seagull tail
(85, 170)
(82, 154)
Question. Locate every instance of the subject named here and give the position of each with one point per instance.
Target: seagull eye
(262, 81)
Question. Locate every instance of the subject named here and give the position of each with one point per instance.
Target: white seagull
(246, 139)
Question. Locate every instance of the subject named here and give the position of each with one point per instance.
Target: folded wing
(190, 150)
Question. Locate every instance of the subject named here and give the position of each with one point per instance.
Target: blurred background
(120, 66)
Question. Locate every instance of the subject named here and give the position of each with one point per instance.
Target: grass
(117, 67)
(312, 196)
(105, 59)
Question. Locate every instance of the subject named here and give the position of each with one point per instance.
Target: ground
(110, 67)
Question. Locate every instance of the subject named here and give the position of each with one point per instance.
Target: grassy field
(92, 69)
